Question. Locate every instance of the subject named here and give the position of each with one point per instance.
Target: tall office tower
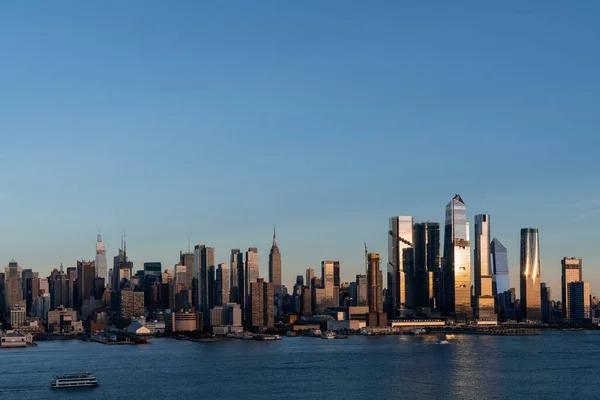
(187, 260)
(580, 301)
(121, 267)
(331, 294)
(223, 287)
(204, 271)
(306, 302)
(13, 287)
(546, 293)
(250, 275)
(456, 267)
(72, 295)
(58, 285)
(260, 304)
(27, 278)
(374, 294)
(132, 303)
(152, 271)
(275, 265)
(362, 290)
(310, 274)
(236, 265)
(180, 275)
(400, 264)
(531, 307)
(571, 272)
(427, 263)
(336, 274)
(483, 296)
(2, 294)
(101, 266)
(500, 280)
(86, 273)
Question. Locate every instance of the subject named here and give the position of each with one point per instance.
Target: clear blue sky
(214, 120)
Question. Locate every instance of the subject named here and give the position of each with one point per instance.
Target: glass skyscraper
(571, 272)
(501, 282)
(531, 298)
(426, 281)
(400, 264)
(456, 267)
(101, 266)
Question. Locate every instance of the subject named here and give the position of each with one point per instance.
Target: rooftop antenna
(189, 245)
(366, 260)
(125, 243)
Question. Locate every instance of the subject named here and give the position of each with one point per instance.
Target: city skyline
(346, 276)
(304, 103)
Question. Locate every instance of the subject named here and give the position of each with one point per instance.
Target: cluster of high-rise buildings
(461, 279)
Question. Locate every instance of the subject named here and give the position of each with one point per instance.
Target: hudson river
(555, 365)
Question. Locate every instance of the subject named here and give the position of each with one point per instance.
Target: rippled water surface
(555, 365)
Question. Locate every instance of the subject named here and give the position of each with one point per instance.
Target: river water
(555, 365)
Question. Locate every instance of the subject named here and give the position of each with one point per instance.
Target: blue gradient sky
(213, 121)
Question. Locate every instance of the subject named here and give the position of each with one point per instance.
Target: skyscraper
(531, 299)
(500, 279)
(400, 264)
(86, 273)
(336, 274)
(427, 263)
(362, 290)
(546, 293)
(101, 267)
(484, 299)
(237, 276)
(122, 267)
(204, 270)
(456, 267)
(250, 275)
(187, 260)
(260, 302)
(13, 286)
(275, 265)
(580, 301)
(331, 293)
(310, 274)
(571, 272)
(374, 294)
(223, 286)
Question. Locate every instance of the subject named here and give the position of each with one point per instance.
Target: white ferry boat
(86, 379)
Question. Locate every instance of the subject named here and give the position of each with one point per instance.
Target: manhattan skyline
(311, 117)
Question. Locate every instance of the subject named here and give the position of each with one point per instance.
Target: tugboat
(85, 379)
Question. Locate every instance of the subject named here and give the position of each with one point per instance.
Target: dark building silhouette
(427, 267)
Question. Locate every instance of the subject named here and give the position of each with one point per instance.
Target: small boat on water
(327, 335)
(267, 337)
(444, 342)
(85, 379)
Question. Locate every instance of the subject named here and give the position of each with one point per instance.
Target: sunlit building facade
(456, 266)
(531, 299)
(483, 296)
(400, 264)
(571, 272)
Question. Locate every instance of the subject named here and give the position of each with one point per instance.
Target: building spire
(274, 237)
(61, 268)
